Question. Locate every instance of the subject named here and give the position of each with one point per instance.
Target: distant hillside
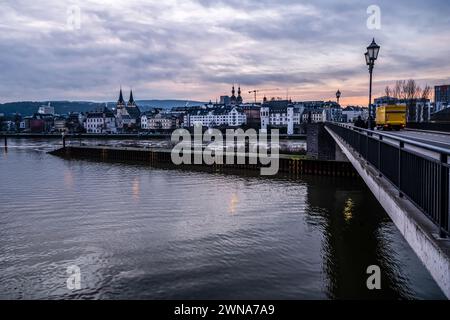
(166, 104)
(27, 108)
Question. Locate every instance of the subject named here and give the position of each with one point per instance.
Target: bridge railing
(419, 171)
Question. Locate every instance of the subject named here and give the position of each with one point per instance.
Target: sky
(197, 49)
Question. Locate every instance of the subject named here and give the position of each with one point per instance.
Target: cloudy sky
(197, 49)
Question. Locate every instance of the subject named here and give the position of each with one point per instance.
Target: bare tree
(388, 91)
(409, 89)
(397, 92)
(426, 93)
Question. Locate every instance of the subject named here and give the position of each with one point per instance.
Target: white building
(152, 120)
(101, 122)
(316, 116)
(219, 116)
(46, 109)
(281, 116)
(265, 118)
(351, 113)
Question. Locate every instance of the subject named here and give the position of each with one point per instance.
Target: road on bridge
(430, 137)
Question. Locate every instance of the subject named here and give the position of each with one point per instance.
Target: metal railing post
(367, 146)
(444, 197)
(401, 146)
(380, 138)
(359, 145)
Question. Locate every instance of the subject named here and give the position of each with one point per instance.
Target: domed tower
(233, 96)
(239, 97)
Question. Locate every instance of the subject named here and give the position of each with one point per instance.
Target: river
(137, 232)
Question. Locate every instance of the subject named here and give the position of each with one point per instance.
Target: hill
(28, 108)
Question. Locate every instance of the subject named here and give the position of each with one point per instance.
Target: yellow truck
(391, 117)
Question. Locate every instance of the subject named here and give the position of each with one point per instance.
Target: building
(253, 114)
(217, 116)
(48, 109)
(351, 113)
(281, 114)
(384, 101)
(278, 116)
(333, 111)
(25, 124)
(442, 97)
(74, 122)
(60, 124)
(101, 121)
(314, 116)
(8, 125)
(422, 113)
(225, 100)
(40, 123)
(128, 114)
(164, 121)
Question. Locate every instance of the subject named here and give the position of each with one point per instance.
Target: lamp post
(371, 55)
(338, 95)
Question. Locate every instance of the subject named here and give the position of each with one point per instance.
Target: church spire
(120, 102)
(131, 102)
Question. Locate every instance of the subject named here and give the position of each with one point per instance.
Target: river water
(137, 232)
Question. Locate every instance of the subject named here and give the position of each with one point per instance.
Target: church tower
(120, 103)
(233, 96)
(131, 102)
(239, 97)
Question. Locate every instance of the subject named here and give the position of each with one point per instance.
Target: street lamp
(338, 95)
(371, 55)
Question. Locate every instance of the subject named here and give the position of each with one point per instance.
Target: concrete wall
(420, 233)
(320, 145)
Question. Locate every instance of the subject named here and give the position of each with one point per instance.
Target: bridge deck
(438, 139)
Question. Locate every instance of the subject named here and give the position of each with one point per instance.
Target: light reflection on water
(138, 232)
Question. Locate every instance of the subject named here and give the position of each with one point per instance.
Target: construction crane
(261, 90)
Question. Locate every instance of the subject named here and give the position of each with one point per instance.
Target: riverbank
(142, 136)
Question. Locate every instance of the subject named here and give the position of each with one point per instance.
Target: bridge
(409, 174)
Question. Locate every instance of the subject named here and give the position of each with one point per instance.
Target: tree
(426, 93)
(388, 91)
(397, 92)
(410, 92)
(410, 89)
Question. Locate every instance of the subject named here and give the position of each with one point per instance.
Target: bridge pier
(320, 145)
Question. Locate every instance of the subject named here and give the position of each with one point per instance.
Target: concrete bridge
(409, 173)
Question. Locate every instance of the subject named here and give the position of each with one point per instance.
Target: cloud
(197, 49)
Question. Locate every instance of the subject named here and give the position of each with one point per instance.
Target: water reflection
(68, 179)
(357, 239)
(233, 203)
(348, 210)
(136, 188)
